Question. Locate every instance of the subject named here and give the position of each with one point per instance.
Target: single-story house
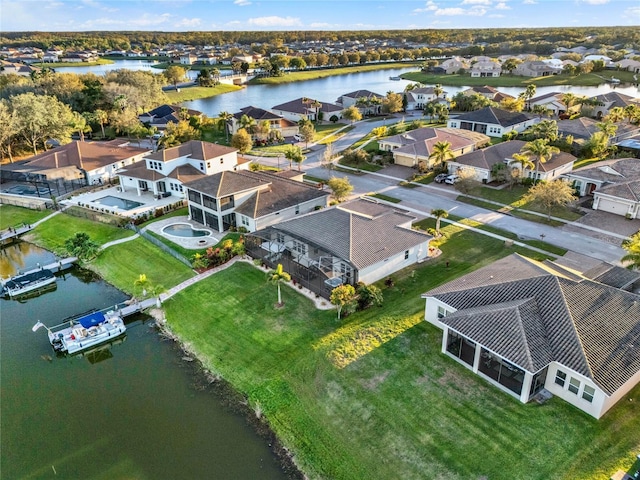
(454, 65)
(90, 162)
(160, 116)
(526, 326)
(487, 92)
(552, 101)
(358, 241)
(482, 162)
(629, 64)
(583, 127)
(17, 68)
(414, 146)
(307, 108)
(492, 121)
(367, 101)
(277, 123)
(537, 68)
(607, 101)
(419, 97)
(166, 171)
(253, 200)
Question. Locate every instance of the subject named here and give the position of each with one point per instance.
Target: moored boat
(395, 78)
(84, 332)
(21, 284)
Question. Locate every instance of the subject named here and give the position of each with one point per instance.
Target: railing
(163, 246)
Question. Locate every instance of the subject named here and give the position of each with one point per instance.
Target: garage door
(607, 205)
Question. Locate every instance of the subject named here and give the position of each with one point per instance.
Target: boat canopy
(92, 319)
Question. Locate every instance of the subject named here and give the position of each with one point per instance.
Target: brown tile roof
(421, 142)
(196, 149)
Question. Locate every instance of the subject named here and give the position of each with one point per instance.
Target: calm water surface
(134, 410)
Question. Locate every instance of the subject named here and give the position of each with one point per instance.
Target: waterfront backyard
(370, 396)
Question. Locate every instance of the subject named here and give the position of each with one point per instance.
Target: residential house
(486, 69)
(583, 127)
(188, 58)
(357, 241)
(614, 184)
(286, 128)
(492, 121)
(525, 326)
(487, 92)
(552, 101)
(419, 97)
(17, 69)
(252, 200)
(367, 101)
(164, 173)
(483, 162)
(88, 162)
(629, 64)
(307, 108)
(415, 146)
(537, 68)
(454, 65)
(160, 116)
(607, 101)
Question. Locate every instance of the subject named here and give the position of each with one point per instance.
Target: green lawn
(373, 397)
(194, 93)
(11, 216)
(384, 197)
(61, 65)
(53, 233)
(122, 264)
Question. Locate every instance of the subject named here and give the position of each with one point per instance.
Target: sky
(225, 15)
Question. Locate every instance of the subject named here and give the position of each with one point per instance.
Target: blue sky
(183, 15)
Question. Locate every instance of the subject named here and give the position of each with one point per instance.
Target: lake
(326, 89)
(134, 410)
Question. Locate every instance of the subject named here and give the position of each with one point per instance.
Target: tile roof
(256, 113)
(495, 116)
(226, 183)
(195, 149)
(83, 155)
(531, 315)
(299, 106)
(361, 239)
(613, 275)
(362, 93)
(615, 99)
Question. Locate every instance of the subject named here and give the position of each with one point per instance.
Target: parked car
(297, 137)
(440, 177)
(451, 179)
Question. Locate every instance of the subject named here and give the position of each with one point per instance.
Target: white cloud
(475, 11)
(146, 20)
(495, 15)
(502, 6)
(274, 21)
(476, 2)
(529, 2)
(242, 3)
(595, 2)
(191, 23)
(632, 12)
(429, 7)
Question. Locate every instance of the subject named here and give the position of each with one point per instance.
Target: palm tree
(294, 154)
(522, 161)
(541, 151)
(101, 117)
(439, 213)
(278, 276)
(224, 118)
(429, 109)
(608, 128)
(248, 123)
(529, 92)
(438, 90)
(569, 99)
(441, 153)
(632, 246)
(616, 114)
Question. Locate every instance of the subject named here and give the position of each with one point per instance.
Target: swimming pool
(122, 203)
(184, 230)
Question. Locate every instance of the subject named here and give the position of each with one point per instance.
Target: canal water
(135, 409)
(326, 89)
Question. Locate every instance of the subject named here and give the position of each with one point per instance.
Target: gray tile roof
(530, 315)
(362, 94)
(494, 116)
(359, 238)
(196, 149)
(226, 183)
(299, 106)
(613, 275)
(257, 114)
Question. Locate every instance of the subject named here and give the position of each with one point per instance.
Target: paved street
(422, 200)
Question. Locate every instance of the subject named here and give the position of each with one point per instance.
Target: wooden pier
(55, 267)
(8, 236)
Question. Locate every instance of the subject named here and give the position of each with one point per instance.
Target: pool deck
(193, 243)
(147, 199)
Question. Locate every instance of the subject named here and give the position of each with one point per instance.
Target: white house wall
(621, 392)
(594, 408)
(288, 213)
(392, 264)
(615, 205)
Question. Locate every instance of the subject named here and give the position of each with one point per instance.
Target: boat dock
(56, 266)
(11, 234)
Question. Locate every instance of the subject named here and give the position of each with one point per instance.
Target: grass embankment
(11, 216)
(581, 80)
(299, 76)
(373, 397)
(101, 61)
(194, 93)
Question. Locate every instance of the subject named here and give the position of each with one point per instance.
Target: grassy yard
(194, 93)
(61, 65)
(53, 233)
(11, 216)
(121, 265)
(373, 397)
(384, 197)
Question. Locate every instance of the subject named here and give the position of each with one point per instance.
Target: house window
(297, 209)
(345, 270)
(406, 254)
(194, 197)
(300, 247)
(280, 238)
(574, 385)
(442, 312)
(202, 166)
(561, 378)
(221, 161)
(208, 165)
(588, 393)
(244, 220)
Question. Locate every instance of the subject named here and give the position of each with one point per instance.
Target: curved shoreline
(229, 397)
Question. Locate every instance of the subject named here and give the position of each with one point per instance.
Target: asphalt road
(422, 200)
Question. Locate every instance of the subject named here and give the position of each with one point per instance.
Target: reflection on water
(22, 256)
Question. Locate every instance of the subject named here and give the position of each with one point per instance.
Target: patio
(127, 203)
(193, 243)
